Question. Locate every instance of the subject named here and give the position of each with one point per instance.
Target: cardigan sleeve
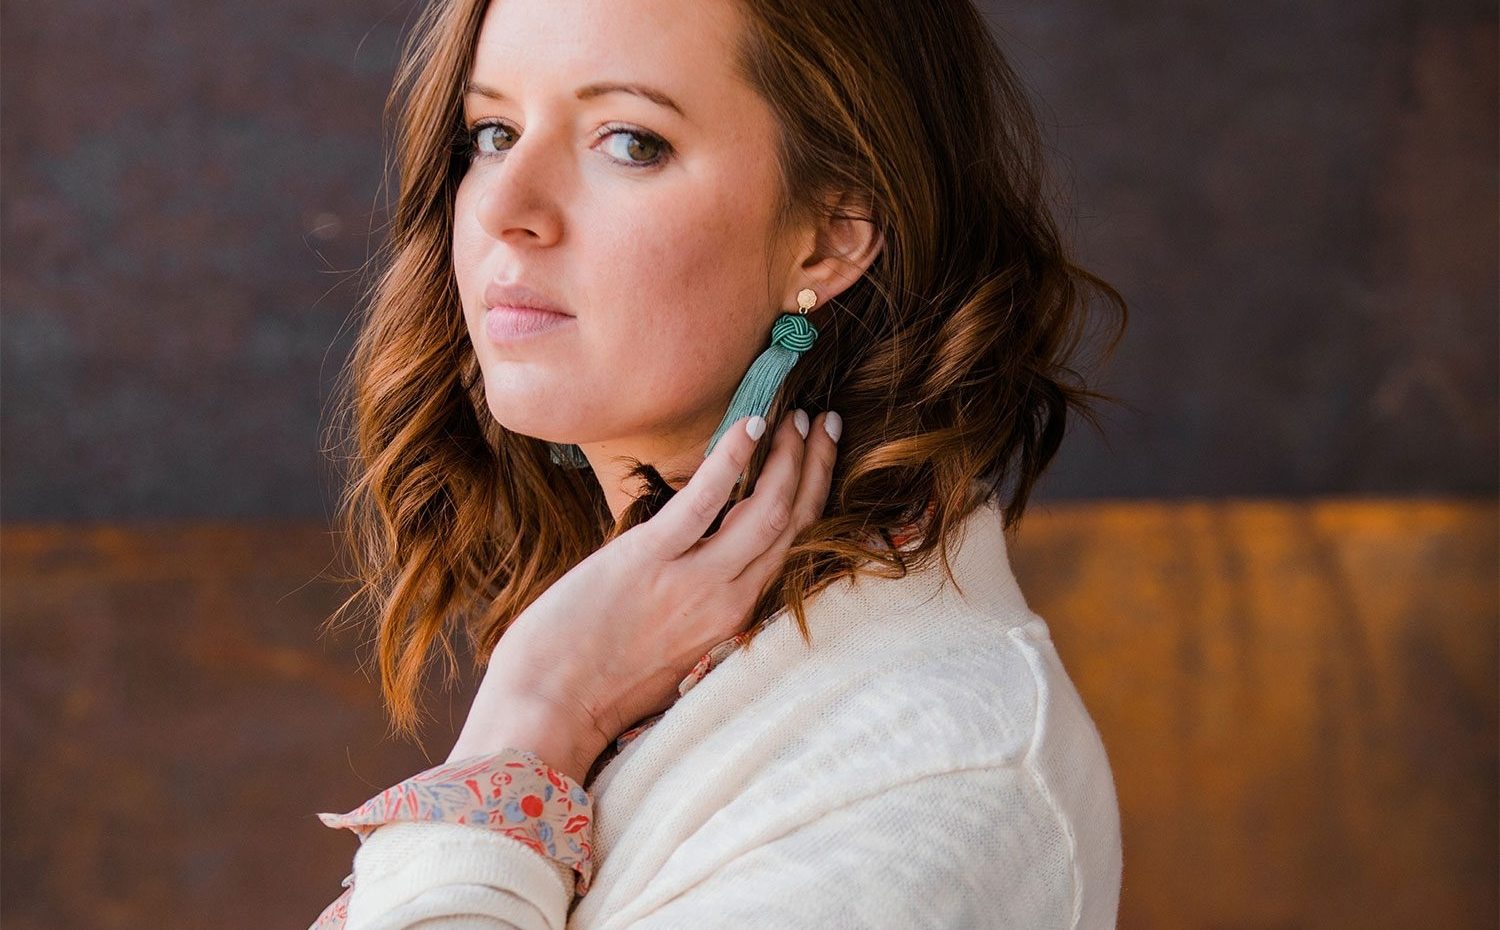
(503, 837)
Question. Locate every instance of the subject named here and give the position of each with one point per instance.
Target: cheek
(468, 245)
(684, 287)
(670, 284)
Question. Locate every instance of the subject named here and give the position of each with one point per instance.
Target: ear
(840, 245)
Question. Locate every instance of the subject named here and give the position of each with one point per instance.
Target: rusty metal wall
(1299, 701)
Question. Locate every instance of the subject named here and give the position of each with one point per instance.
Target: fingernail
(755, 426)
(800, 418)
(833, 424)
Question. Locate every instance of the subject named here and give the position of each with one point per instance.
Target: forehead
(685, 47)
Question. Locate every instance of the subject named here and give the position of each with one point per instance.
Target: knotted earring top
(791, 335)
(793, 332)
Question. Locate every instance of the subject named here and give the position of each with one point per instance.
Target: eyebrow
(590, 91)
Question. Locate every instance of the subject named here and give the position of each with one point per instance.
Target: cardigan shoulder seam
(1024, 633)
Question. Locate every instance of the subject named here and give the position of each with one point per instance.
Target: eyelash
(468, 147)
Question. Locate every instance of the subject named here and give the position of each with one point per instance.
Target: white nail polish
(755, 426)
(800, 419)
(833, 424)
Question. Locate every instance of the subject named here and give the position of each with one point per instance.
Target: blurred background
(1274, 579)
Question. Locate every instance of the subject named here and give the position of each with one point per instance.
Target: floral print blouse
(514, 792)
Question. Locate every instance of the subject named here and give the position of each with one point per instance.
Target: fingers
(814, 481)
(756, 522)
(684, 519)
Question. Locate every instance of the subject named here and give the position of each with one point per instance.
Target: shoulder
(965, 764)
(936, 705)
(965, 692)
(978, 734)
(944, 668)
(966, 695)
(986, 838)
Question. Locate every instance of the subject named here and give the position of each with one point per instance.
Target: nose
(519, 202)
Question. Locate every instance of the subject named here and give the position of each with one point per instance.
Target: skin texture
(673, 279)
(670, 270)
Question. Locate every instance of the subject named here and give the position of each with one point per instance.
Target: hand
(607, 644)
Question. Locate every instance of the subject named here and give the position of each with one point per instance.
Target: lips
(512, 325)
(521, 297)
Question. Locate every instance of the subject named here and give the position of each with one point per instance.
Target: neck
(676, 455)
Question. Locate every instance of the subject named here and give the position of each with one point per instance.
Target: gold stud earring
(805, 300)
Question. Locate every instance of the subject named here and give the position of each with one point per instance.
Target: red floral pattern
(511, 791)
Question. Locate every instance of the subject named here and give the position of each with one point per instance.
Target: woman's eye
(641, 149)
(484, 135)
(634, 148)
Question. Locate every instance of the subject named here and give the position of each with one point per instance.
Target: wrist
(521, 721)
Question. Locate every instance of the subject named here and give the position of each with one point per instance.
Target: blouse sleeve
(532, 853)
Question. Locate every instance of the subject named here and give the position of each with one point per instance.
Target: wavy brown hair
(952, 359)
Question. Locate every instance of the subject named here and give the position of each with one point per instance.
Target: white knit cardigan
(927, 763)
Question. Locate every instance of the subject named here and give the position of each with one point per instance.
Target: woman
(743, 682)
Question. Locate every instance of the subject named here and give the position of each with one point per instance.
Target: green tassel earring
(791, 336)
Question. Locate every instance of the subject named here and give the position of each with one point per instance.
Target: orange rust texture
(1299, 699)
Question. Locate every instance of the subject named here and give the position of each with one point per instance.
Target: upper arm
(975, 848)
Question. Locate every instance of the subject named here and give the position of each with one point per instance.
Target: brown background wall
(1275, 581)
(1298, 699)
(1299, 200)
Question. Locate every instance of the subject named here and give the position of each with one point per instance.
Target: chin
(521, 419)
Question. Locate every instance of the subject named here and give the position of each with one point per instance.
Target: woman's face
(647, 216)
